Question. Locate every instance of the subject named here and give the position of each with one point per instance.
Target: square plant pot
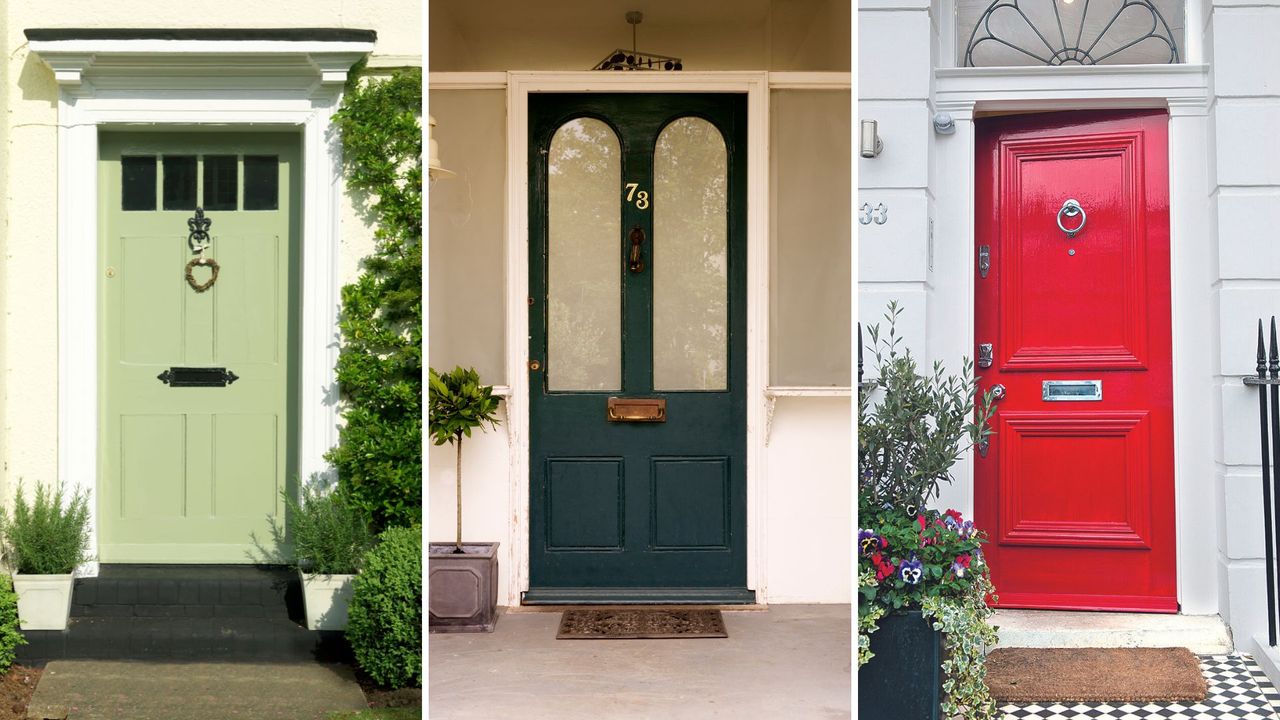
(904, 679)
(463, 587)
(44, 601)
(326, 598)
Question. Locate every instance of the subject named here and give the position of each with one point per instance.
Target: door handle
(636, 264)
(998, 392)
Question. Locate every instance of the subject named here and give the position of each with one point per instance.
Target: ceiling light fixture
(635, 60)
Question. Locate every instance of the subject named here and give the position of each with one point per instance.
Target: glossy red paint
(1077, 496)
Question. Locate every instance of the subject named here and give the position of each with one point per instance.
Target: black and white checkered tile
(1238, 690)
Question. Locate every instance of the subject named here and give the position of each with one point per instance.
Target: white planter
(44, 601)
(326, 598)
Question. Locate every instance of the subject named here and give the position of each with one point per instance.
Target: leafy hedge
(379, 455)
(384, 623)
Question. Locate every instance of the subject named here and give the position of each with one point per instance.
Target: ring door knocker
(198, 241)
(1070, 209)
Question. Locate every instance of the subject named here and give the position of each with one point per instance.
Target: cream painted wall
(28, 184)
(576, 34)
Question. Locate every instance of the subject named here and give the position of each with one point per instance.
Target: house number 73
(641, 199)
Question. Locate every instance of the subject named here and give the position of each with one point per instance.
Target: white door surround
(243, 79)
(1183, 91)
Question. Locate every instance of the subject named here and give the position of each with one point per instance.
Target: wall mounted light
(435, 170)
(871, 143)
(944, 124)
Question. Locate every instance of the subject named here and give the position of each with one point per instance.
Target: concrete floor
(791, 661)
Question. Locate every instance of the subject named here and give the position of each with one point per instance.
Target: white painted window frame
(1184, 91)
(149, 83)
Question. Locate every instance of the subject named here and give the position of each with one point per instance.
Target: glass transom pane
(1069, 32)
(584, 241)
(690, 257)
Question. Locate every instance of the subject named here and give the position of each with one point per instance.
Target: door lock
(636, 264)
(997, 392)
(535, 366)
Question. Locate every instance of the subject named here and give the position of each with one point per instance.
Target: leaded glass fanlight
(994, 33)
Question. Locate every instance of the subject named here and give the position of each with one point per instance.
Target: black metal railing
(1268, 382)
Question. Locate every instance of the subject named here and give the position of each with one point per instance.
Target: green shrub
(49, 537)
(459, 402)
(385, 615)
(379, 454)
(10, 637)
(330, 536)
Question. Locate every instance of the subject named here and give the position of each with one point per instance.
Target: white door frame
(1183, 90)
(519, 85)
(147, 83)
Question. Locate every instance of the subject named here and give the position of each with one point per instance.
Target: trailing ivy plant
(379, 454)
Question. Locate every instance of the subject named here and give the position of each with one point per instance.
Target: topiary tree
(379, 454)
(384, 623)
(459, 403)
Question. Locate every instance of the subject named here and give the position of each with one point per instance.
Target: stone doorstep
(1202, 634)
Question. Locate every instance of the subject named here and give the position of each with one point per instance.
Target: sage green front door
(196, 379)
(637, 347)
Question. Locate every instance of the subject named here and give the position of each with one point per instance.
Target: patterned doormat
(640, 623)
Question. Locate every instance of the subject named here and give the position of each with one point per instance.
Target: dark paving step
(194, 639)
(189, 591)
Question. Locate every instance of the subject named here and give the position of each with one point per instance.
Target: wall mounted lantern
(944, 124)
(871, 144)
(435, 170)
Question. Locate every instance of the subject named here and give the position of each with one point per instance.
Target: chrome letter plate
(1072, 390)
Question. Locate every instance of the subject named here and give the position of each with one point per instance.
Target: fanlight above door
(1069, 32)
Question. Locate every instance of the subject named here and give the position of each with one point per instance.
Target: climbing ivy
(379, 454)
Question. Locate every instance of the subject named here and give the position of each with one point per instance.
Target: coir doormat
(1021, 675)
(640, 623)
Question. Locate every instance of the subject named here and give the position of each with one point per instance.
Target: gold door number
(641, 198)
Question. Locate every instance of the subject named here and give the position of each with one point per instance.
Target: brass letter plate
(637, 409)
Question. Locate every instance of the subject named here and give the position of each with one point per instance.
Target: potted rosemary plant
(45, 542)
(330, 538)
(463, 576)
(923, 626)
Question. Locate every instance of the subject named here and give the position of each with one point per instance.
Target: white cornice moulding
(1185, 87)
(776, 80)
(174, 63)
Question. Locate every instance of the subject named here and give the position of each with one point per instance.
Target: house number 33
(640, 198)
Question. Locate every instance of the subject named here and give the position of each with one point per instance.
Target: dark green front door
(637, 321)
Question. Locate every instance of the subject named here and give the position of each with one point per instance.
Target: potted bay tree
(923, 628)
(45, 542)
(330, 538)
(463, 576)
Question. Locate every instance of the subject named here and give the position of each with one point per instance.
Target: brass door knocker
(206, 262)
(198, 241)
(636, 262)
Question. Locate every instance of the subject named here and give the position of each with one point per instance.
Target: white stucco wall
(28, 184)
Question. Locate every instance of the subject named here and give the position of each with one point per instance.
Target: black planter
(463, 587)
(904, 679)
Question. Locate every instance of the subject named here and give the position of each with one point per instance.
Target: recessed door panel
(637, 324)
(1076, 485)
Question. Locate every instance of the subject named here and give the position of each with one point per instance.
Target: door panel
(1076, 488)
(194, 474)
(637, 291)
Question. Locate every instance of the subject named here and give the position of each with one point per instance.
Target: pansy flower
(961, 565)
(966, 530)
(883, 569)
(869, 542)
(912, 570)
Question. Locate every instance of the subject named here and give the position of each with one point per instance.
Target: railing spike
(1274, 357)
(1262, 351)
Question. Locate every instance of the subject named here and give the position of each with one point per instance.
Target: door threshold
(1202, 634)
(524, 609)
(638, 596)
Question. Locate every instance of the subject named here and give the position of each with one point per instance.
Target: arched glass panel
(993, 33)
(584, 231)
(690, 257)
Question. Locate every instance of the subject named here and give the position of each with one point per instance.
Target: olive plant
(459, 403)
(917, 427)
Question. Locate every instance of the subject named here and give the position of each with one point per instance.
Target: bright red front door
(1076, 485)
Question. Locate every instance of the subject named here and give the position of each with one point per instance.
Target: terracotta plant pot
(463, 587)
(326, 598)
(44, 601)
